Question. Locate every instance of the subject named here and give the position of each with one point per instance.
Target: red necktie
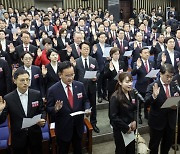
(167, 91)
(146, 66)
(121, 46)
(70, 96)
(26, 48)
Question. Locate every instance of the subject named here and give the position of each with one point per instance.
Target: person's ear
(120, 83)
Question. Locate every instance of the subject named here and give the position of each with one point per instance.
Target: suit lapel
(29, 102)
(74, 95)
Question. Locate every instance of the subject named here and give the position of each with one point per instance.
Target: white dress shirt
(164, 87)
(83, 60)
(30, 73)
(65, 87)
(144, 62)
(3, 43)
(24, 47)
(102, 47)
(54, 67)
(24, 100)
(116, 65)
(171, 55)
(162, 47)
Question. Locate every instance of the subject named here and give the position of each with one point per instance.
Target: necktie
(127, 35)
(140, 46)
(167, 91)
(146, 66)
(121, 46)
(179, 42)
(78, 50)
(86, 65)
(70, 96)
(26, 48)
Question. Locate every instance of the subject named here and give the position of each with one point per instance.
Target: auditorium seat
(86, 140)
(46, 139)
(151, 58)
(4, 137)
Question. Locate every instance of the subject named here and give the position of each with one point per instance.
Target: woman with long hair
(123, 113)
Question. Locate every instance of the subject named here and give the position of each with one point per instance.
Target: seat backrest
(4, 137)
(45, 132)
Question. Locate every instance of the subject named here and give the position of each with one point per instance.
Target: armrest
(9, 126)
(88, 124)
(89, 134)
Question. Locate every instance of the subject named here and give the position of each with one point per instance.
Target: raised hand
(115, 45)
(163, 57)
(135, 44)
(154, 43)
(44, 70)
(156, 90)
(95, 48)
(37, 42)
(111, 66)
(58, 105)
(2, 104)
(69, 49)
(139, 62)
(55, 42)
(39, 52)
(73, 61)
(11, 48)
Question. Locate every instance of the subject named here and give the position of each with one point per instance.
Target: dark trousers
(101, 84)
(63, 147)
(92, 98)
(120, 146)
(145, 107)
(164, 136)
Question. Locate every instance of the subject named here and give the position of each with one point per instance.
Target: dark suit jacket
(51, 77)
(110, 75)
(5, 78)
(177, 47)
(142, 81)
(64, 123)
(36, 79)
(99, 57)
(74, 51)
(168, 60)
(122, 113)
(10, 27)
(160, 118)
(51, 29)
(19, 50)
(80, 72)
(14, 108)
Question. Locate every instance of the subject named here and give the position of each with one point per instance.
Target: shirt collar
(65, 85)
(162, 82)
(27, 68)
(20, 94)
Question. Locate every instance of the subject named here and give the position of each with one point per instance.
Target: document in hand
(106, 52)
(90, 74)
(171, 101)
(28, 122)
(128, 138)
(152, 74)
(128, 53)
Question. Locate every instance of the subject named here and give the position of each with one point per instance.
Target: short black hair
(50, 51)
(167, 39)
(101, 33)
(64, 65)
(167, 68)
(46, 40)
(143, 48)
(27, 52)
(85, 42)
(18, 72)
(25, 32)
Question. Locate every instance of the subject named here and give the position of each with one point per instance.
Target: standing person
(83, 64)
(23, 103)
(122, 113)
(65, 97)
(161, 121)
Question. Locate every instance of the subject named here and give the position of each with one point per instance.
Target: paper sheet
(152, 74)
(128, 53)
(52, 125)
(171, 101)
(28, 122)
(77, 113)
(107, 51)
(128, 138)
(90, 74)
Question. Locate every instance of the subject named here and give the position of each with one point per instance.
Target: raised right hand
(95, 48)
(111, 66)
(44, 70)
(163, 57)
(156, 90)
(139, 62)
(2, 104)
(58, 105)
(39, 52)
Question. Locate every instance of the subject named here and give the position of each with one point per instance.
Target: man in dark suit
(75, 46)
(136, 46)
(170, 55)
(5, 78)
(161, 121)
(141, 68)
(9, 35)
(83, 64)
(158, 47)
(13, 24)
(177, 40)
(65, 97)
(19, 104)
(36, 79)
(97, 53)
(26, 46)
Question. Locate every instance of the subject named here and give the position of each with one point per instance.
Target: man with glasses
(65, 97)
(161, 121)
(23, 103)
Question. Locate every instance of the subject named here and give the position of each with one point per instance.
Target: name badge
(1, 69)
(133, 101)
(92, 66)
(35, 104)
(79, 95)
(36, 76)
(177, 59)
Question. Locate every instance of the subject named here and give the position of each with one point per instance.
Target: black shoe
(99, 100)
(95, 128)
(173, 147)
(140, 121)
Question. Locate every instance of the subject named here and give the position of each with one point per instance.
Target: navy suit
(168, 60)
(68, 128)
(177, 46)
(74, 51)
(161, 121)
(51, 31)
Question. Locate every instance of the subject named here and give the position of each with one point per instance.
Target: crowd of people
(44, 56)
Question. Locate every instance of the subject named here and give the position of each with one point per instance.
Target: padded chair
(4, 137)
(86, 140)
(134, 80)
(46, 139)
